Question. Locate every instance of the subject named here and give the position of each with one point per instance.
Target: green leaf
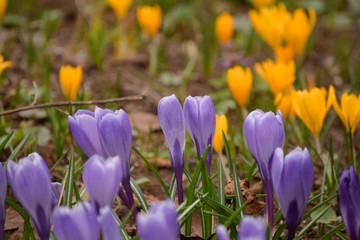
(279, 231)
(140, 195)
(328, 217)
(5, 141)
(333, 232)
(70, 181)
(221, 188)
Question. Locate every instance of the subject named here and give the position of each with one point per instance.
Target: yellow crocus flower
(221, 125)
(149, 19)
(280, 75)
(348, 111)
(4, 65)
(283, 102)
(70, 79)
(3, 4)
(284, 53)
(224, 27)
(262, 3)
(311, 107)
(270, 23)
(299, 28)
(120, 7)
(240, 83)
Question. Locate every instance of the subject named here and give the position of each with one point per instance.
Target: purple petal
(109, 227)
(56, 189)
(252, 228)
(222, 233)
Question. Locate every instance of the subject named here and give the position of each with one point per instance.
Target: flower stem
(353, 154)
(123, 197)
(129, 194)
(225, 169)
(244, 113)
(178, 176)
(269, 200)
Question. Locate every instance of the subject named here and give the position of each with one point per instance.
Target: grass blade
(140, 195)
(70, 181)
(6, 140)
(332, 232)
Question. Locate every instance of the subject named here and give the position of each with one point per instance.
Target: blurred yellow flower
(224, 27)
(311, 107)
(279, 75)
(149, 19)
(70, 79)
(270, 23)
(3, 4)
(284, 53)
(262, 3)
(283, 102)
(4, 65)
(221, 125)
(120, 7)
(348, 111)
(299, 28)
(240, 83)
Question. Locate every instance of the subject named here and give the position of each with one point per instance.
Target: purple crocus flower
(349, 195)
(200, 119)
(222, 233)
(108, 225)
(31, 184)
(172, 122)
(252, 228)
(106, 133)
(102, 179)
(293, 180)
(56, 189)
(264, 132)
(79, 222)
(161, 220)
(3, 189)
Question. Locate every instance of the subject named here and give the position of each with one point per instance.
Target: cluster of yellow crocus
(348, 110)
(224, 27)
(311, 107)
(70, 79)
(120, 7)
(280, 75)
(4, 64)
(3, 4)
(262, 3)
(240, 82)
(275, 25)
(221, 126)
(149, 18)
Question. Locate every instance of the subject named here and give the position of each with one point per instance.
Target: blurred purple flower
(55, 193)
(293, 180)
(161, 220)
(252, 228)
(31, 184)
(200, 119)
(3, 190)
(109, 227)
(106, 133)
(79, 222)
(102, 179)
(222, 233)
(264, 132)
(172, 122)
(349, 195)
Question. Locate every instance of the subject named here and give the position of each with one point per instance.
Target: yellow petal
(70, 79)
(149, 19)
(224, 27)
(221, 125)
(120, 7)
(3, 4)
(240, 84)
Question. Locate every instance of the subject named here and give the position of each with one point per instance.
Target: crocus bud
(172, 122)
(3, 190)
(3, 4)
(348, 111)
(311, 107)
(292, 178)
(222, 233)
(56, 189)
(161, 220)
(200, 119)
(79, 222)
(70, 79)
(349, 195)
(280, 75)
(299, 28)
(149, 19)
(3, 64)
(224, 27)
(102, 179)
(239, 81)
(120, 7)
(31, 184)
(221, 126)
(252, 228)
(264, 132)
(283, 102)
(108, 225)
